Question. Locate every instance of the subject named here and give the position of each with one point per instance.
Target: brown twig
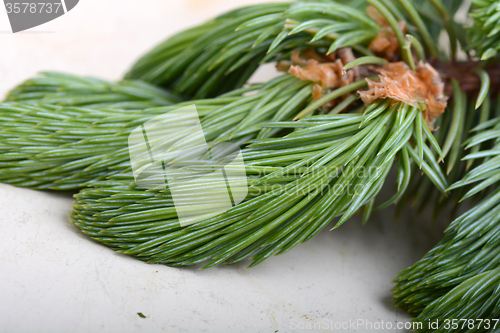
(463, 72)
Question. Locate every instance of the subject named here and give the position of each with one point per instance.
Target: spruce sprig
(484, 34)
(223, 53)
(479, 299)
(61, 148)
(235, 44)
(213, 58)
(337, 165)
(305, 164)
(384, 130)
(71, 90)
(471, 245)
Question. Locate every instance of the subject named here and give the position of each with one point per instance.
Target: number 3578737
(32, 8)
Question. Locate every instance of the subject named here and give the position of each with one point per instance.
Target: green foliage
(454, 129)
(222, 54)
(305, 165)
(214, 58)
(71, 90)
(484, 34)
(476, 300)
(329, 165)
(471, 245)
(61, 148)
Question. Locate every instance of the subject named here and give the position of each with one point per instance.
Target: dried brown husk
(324, 70)
(385, 44)
(422, 88)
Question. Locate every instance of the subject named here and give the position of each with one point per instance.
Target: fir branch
(471, 244)
(458, 123)
(484, 34)
(234, 46)
(470, 247)
(71, 90)
(476, 300)
(88, 150)
(229, 48)
(52, 147)
(214, 50)
(302, 173)
(330, 165)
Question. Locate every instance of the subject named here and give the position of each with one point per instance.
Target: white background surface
(54, 279)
